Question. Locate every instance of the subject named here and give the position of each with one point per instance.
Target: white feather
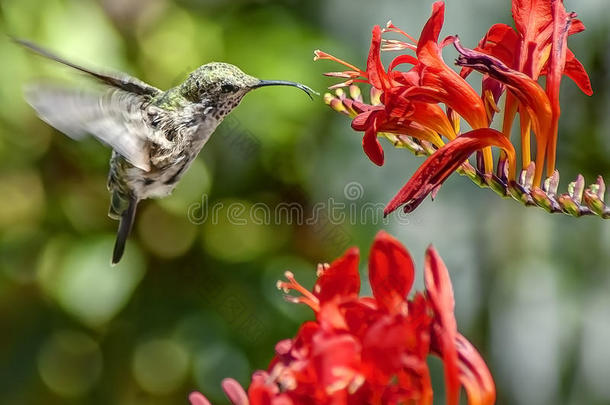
(115, 117)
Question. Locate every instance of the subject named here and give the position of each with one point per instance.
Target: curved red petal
(576, 71)
(336, 360)
(555, 69)
(529, 93)
(374, 68)
(531, 17)
(438, 81)
(438, 284)
(384, 347)
(371, 144)
(399, 60)
(474, 374)
(341, 279)
(502, 42)
(427, 49)
(301, 343)
(439, 166)
(359, 315)
(576, 27)
(391, 272)
(440, 293)
(363, 120)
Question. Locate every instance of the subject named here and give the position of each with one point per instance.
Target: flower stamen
(306, 297)
(318, 54)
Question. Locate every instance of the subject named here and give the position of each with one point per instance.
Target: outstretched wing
(119, 80)
(115, 117)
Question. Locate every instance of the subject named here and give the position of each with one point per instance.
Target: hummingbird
(154, 135)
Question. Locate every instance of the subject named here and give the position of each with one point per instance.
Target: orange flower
(412, 97)
(538, 48)
(406, 104)
(529, 93)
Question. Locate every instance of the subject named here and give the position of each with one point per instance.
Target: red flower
(407, 106)
(537, 48)
(370, 350)
(412, 97)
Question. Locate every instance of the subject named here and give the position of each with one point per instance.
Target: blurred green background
(194, 301)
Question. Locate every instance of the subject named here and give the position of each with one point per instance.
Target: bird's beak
(306, 89)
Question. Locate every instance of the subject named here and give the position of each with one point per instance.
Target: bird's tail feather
(127, 218)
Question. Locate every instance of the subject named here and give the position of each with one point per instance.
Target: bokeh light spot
(160, 366)
(199, 330)
(84, 283)
(178, 42)
(230, 234)
(85, 203)
(22, 199)
(70, 363)
(164, 234)
(217, 362)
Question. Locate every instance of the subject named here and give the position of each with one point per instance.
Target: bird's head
(225, 85)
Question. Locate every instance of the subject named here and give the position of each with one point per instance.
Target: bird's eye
(228, 88)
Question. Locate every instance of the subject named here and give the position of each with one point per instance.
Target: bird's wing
(115, 117)
(119, 80)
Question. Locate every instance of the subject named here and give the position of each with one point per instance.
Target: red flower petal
(576, 71)
(363, 120)
(341, 279)
(525, 89)
(576, 27)
(393, 343)
(474, 374)
(435, 170)
(440, 292)
(260, 392)
(374, 68)
(556, 68)
(359, 315)
(399, 110)
(399, 60)
(502, 42)
(531, 15)
(441, 83)
(427, 48)
(384, 348)
(336, 360)
(557, 59)
(371, 144)
(532, 19)
(391, 272)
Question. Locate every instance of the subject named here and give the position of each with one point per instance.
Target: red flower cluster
(405, 103)
(370, 350)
